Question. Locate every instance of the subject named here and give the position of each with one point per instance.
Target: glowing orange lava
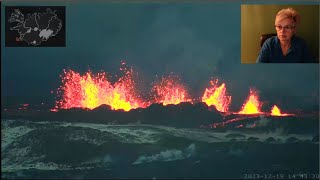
(170, 91)
(217, 96)
(275, 111)
(90, 91)
(252, 105)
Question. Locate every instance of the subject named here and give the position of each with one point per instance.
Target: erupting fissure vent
(169, 90)
(217, 96)
(275, 111)
(90, 91)
(252, 105)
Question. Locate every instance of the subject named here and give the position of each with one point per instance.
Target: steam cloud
(168, 155)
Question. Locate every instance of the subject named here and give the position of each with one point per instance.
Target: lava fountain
(169, 90)
(217, 97)
(275, 111)
(91, 91)
(252, 105)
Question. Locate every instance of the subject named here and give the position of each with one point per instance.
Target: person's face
(285, 29)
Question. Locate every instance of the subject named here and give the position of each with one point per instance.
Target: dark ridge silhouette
(183, 115)
(253, 139)
(270, 140)
(315, 138)
(75, 109)
(102, 108)
(292, 140)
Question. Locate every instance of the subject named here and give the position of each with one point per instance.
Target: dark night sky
(195, 41)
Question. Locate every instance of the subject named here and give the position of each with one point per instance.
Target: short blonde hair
(289, 13)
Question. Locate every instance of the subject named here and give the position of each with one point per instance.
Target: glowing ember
(240, 126)
(217, 96)
(54, 110)
(252, 105)
(23, 107)
(170, 91)
(275, 111)
(89, 91)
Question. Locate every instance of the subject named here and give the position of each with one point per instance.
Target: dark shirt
(271, 52)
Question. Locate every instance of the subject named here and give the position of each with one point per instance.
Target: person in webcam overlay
(286, 47)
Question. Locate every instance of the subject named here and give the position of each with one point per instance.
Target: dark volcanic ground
(156, 142)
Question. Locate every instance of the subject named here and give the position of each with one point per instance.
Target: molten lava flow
(89, 91)
(217, 96)
(170, 91)
(252, 105)
(275, 111)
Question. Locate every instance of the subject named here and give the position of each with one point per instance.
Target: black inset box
(35, 26)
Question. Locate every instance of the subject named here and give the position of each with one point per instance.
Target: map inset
(34, 28)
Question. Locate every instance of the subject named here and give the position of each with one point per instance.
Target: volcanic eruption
(275, 111)
(217, 96)
(91, 91)
(169, 90)
(252, 105)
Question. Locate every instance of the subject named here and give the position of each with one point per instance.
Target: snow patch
(125, 133)
(10, 134)
(38, 166)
